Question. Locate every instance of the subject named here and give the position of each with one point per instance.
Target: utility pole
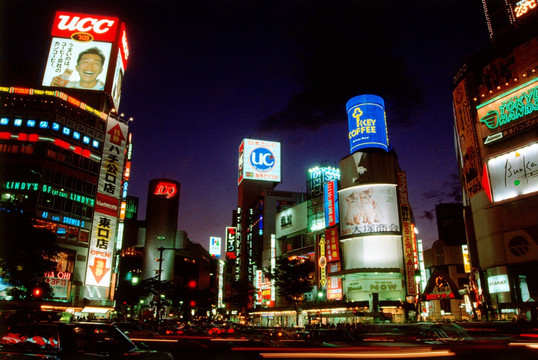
(159, 284)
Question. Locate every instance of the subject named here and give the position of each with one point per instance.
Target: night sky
(205, 74)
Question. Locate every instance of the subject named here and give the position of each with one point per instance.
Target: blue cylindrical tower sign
(367, 123)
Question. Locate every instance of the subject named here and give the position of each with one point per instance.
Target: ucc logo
(99, 26)
(262, 159)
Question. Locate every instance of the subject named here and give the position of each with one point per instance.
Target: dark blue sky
(204, 74)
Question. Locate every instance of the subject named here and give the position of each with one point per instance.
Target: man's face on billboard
(89, 68)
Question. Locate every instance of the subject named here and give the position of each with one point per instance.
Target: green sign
(47, 189)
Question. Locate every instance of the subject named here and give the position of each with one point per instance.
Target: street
(237, 348)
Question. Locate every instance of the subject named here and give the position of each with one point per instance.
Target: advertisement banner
(103, 234)
(101, 250)
(514, 174)
(367, 123)
(317, 177)
(513, 106)
(334, 288)
(367, 209)
(376, 251)
(374, 285)
(214, 246)
(230, 242)
(330, 200)
(80, 51)
(333, 249)
(409, 245)
(469, 151)
(259, 160)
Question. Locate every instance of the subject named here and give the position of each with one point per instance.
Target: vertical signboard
(121, 65)
(407, 236)
(230, 242)
(100, 255)
(322, 261)
(469, 151)
(220, 294)
(367, 123)
(330, 197)
(333, 248)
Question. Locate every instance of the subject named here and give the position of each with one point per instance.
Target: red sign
(84, 27)
(439, 296)
(107, 205)
(166, 189)
(332, 246)
(124, 47)
(99, 269)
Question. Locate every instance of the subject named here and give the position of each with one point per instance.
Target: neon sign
(510, 106)
(47, 189)
(524, 7)
(165, 189)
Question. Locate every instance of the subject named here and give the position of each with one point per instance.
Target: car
(66, 341)
(134, 330)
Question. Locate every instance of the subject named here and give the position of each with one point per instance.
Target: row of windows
(48, 109)
(23, 149)
(64, 181)
(58, 204)
(66, 234)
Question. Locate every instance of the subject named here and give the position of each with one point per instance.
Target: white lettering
(84, 25)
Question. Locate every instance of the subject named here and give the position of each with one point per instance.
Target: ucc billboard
(259, 160)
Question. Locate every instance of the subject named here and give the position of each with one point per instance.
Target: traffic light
(37, 293)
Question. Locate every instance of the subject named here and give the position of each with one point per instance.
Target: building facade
(495, 112)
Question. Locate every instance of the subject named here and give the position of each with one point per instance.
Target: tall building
(63, 155)
(357, 228)
(495, 113)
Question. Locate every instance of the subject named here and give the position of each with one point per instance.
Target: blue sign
(367, 123)
(262, 159)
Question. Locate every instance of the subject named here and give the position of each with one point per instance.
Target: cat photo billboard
(368, 209)
(367, 123)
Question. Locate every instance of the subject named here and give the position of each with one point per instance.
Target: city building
(64, 156)
(446, 294)
(163, 273)
(357, 227)
(495, 113)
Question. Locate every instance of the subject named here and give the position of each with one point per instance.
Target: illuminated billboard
(214, 246)
(514, 106)
(514, 174)
(522, 8)
(330, 202)
(81, 50)
(317, 177)
(230, 242)
(366, 209)
(259, 160)
(382, 251)
(105, 219)
(498, 284)
(367, 123)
